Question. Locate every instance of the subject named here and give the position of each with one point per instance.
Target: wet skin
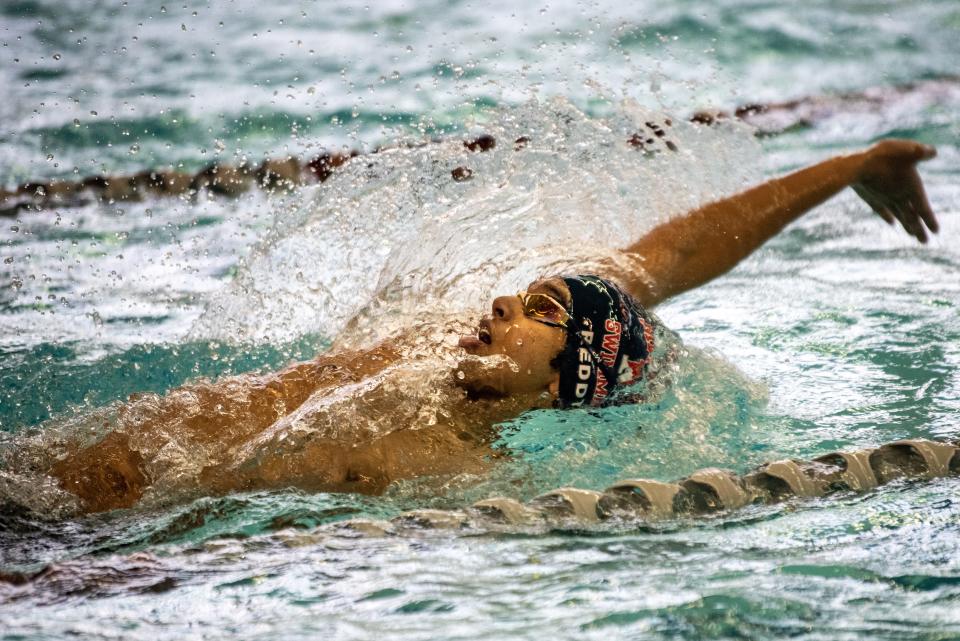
(529, 343)
(242, 412)
(234, 413)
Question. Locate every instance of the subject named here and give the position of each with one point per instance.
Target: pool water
(839, 333)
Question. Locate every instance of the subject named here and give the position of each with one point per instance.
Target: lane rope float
(704, 492)
(285, 174)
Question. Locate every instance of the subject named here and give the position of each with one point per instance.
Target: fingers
(902, 211)
(915, 208)
(918, 231)
(902, 198)
(926, 152)
(876, 203)
(909, 220)
(922, 206)
(902, 149)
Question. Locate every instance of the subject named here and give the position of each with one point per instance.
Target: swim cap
(609, 341)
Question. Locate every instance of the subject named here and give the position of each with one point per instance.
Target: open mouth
(484, 332)
(483, 337)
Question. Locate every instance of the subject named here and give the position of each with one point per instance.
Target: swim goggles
(544, 309)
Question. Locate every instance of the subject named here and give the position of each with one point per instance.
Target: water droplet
(57, 56)
(134, 148)
(49, 157)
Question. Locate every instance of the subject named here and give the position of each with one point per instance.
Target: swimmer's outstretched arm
(694, 248)
(111, 473)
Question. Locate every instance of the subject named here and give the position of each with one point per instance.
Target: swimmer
(568, 341)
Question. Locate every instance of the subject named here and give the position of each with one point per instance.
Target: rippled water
(838, 333)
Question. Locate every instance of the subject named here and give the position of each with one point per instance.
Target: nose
(506, 308)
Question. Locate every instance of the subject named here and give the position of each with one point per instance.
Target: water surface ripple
(840, 333)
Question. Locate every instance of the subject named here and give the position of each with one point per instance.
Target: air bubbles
(57, 56)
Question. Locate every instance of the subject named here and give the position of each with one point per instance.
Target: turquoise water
(841, 332)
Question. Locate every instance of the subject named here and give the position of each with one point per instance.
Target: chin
(477, 388)
(474, 350)
(484, 392)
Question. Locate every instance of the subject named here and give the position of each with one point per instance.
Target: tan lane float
(218, 179)
(704, 492)
(633, 502)
(273, 175)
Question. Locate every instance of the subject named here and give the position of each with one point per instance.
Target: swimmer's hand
(888, 181)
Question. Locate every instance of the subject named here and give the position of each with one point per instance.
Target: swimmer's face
(529, 343)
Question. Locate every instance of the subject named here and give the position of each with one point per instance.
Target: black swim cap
(609, 341)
